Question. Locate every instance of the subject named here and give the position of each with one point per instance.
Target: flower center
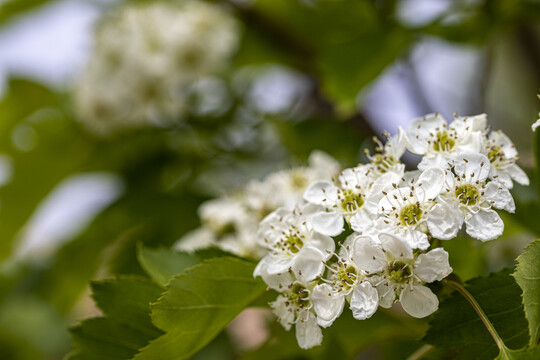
(298, 180)
(444, 142)
(350, 201)
(410, 215)
(299, 295)
(467, 194)
(399, 272)
(293, 243)
(384, 163)
(347, 277)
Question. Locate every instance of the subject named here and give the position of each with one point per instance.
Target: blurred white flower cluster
(148, 61)
(231, 222)
(391, 221)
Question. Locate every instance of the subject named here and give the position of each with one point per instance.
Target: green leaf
(162, 264)
(198, 304)
(12, 8)
(126, 327)
(456, 324)
(523, 354)
(527, 276)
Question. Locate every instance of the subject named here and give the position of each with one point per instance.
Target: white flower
(285, 188)
(293, 244)
(295, 306)
(388, 155)
(399, 274)
(469, 198)
(503, 155)
(347, 282)
(405, 210)
(438, 142)
(147, 58)
(356, 195)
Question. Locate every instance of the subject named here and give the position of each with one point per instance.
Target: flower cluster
(392, 221)
(230, 222)
(149, 60)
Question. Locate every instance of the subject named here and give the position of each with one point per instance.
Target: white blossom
(503, 155)
(406, 209)
(347, 282)
(356, 195)
(399, 274)
(147, 61)
(293, 244)
(469, 198)
(439, 142)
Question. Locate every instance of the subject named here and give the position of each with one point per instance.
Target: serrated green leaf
(523, 354)
(198, 304)
(162, 264)
(126, 327)
(527, 276)
(456, 325)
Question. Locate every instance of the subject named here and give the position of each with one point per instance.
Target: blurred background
(119, 118)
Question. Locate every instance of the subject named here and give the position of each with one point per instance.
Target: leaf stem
(421, 352)
(489, 326)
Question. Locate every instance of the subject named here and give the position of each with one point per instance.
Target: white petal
(472, 164)
(418, 301)
(277, 282)
(396, 246)
(323, 243)
(328, 223)
(518, 175)
(308, 333)
(432, 266)
(535, 125)
(281, 310)
(416, 239)
(322, 193)
(444, 220)
(431, 182)
(386, 291)
(368, 254)
(499, 196)
(323, 164)
(364, 301)
(485, 225)
(438, 161)
(308, 263)
(328, 304)
(361, 221)
(277, 264)
(501, 177)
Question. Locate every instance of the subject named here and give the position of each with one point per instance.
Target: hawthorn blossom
(400, 274)
(439, 142)
(294, 306)
(357, 194)
(503, 155)
(293, 243)
(469, 197)
(347, 282)
(387, 158)
(405, 210)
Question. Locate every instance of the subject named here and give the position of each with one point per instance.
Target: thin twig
(421, 352)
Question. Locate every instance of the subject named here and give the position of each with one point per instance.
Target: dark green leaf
(527, 276)
(162, 264)
(456, 324)
(126, 327)
(198, 304)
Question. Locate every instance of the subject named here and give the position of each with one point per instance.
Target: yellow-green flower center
(410, 215)
(467, 194)
(384, 163)
(347, 277)
(495, 153)
(444, 142)
(299, 295)
(351, 201)
(399, 272)
(293, 243)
